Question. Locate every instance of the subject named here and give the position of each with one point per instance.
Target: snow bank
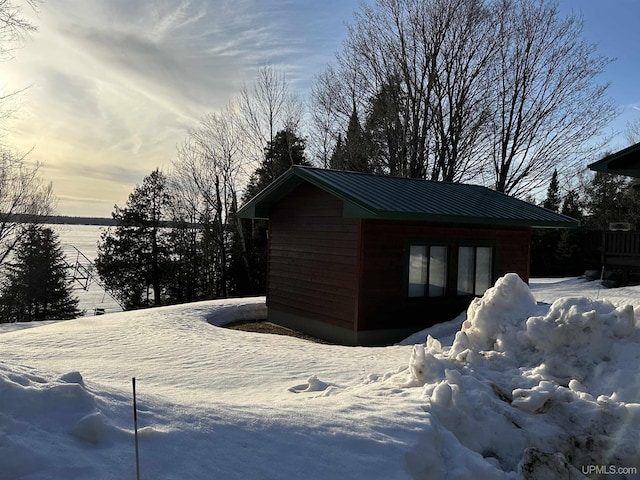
(534, 394)
(513, 390)
(42, 419)
(237, 310)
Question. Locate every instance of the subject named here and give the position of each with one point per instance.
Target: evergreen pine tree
(133, 258)
(571, 252)
(353, 152)
(36, 286)
(552, 202)
(571, 206)
(385, 130)
(286, 150)
(544, 243)
(356, 150)
(337, 160)
(610, 199)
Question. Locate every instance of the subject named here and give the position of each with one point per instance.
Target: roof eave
(625, 162)
(260, 205)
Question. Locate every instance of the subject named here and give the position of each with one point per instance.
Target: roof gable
(395, 198)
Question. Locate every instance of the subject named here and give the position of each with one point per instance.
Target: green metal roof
(395, 198)
(624, 162)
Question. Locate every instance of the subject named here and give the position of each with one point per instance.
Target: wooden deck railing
(622, 244)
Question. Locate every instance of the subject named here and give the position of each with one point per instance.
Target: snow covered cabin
(362, 259)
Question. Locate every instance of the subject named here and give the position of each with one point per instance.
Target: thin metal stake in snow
(600, 283)
(135, 427)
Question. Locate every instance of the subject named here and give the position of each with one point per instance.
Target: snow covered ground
(514, 389)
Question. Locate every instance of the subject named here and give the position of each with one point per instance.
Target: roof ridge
(385, 176)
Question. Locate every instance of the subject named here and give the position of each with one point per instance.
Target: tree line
(206, 252)
(499, 92)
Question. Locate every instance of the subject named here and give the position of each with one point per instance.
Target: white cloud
(116, 82)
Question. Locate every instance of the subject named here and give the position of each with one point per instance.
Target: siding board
(313, 257)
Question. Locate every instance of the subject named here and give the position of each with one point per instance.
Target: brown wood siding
(313, 254)
(383, 302)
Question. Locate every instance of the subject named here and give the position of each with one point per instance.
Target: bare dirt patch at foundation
(258, 326)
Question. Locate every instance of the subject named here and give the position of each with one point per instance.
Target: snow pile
(513, 390)
(541, 394)
(43, 418)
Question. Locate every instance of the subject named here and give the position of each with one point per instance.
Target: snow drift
(524, 390)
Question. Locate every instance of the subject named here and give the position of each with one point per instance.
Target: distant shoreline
(66, 220)
(63, 220)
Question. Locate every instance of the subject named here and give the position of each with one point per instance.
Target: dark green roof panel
(395, 198)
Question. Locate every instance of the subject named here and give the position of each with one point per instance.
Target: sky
(113, 86)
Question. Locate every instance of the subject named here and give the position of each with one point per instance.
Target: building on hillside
(619, 246)
(366, 260)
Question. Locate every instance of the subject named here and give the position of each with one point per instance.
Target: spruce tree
(385, 131)
(133, 258)
(337, 160)
(609, 198)
(286, 150)
(552, 202)
(356, 147)
(352, 153)
(572, 205)
(37, 286)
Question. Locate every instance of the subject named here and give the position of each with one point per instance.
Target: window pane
(418, 262)
(465, 270)
(484, 268)
(437, 271)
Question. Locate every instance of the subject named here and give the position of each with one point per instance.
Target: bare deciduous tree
(13, 26)
(24, 198)
(13, 29)
(416, 70)
(462, 39)
(326, 116)
(503, 88)
(266, 108)
(385, 45)
(546, 104)
(208, 172)
(632, 131)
